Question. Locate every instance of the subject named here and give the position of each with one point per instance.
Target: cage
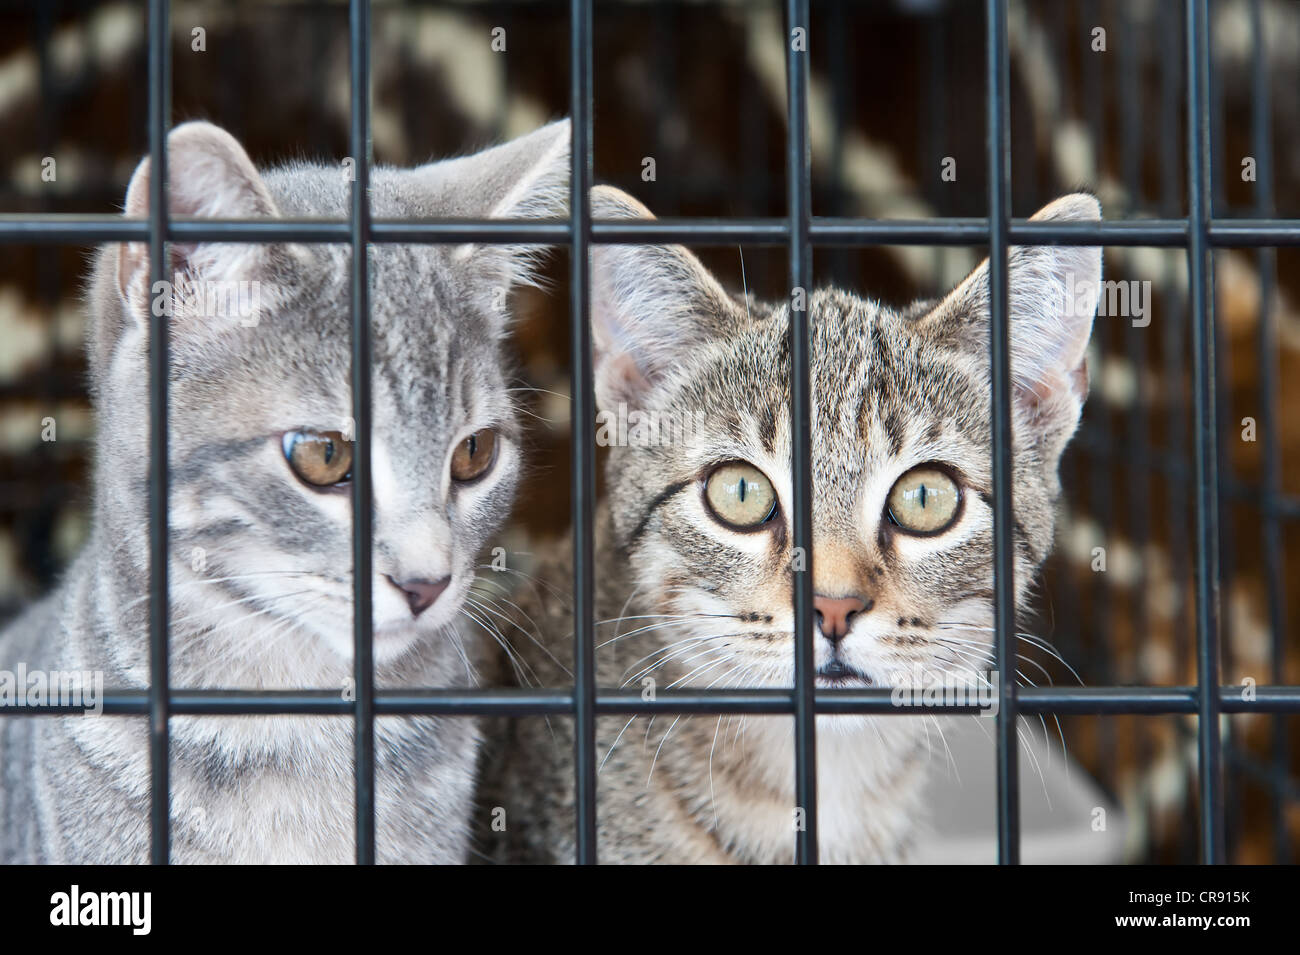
(881, 154)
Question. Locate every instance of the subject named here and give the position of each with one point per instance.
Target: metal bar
(584, 450)
(832, 25)
(1138, 430)
(1175, 363)
(425, 701)
(159, 677)
(1004, 593)
(362, 503)
(799, 199)
(57, 228)
(1199, 233)
(1266, 352)
(1199, 274)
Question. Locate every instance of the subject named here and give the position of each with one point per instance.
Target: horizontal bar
(824, 231)
(1107, 700)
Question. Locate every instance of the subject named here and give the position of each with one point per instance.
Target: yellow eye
(474, 455)
(320, 458)
(924, 500)
(740, 495)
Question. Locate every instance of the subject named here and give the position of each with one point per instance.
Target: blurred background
(896, 100)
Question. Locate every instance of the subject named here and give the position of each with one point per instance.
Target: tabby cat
(695, 555)
(260, 462)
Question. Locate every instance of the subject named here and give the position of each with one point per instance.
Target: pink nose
(835, 614)
(420, 593)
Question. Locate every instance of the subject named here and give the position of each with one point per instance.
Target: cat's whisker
(1031, 639)
(713, 796)
(1026, 682)
(686, 649)
(500, 638)
(243, 600)
(492, 608)
(470, 673)
(292, 625)
(1023, 738)
(659, 750)
(530, 389)
(986, 650)
(614, 745)
(648, 628)
(182, 585)
(947, 749)
(674, 650)
(204, 633)
(566, 599)
(621, 611)
(702, 668)
(666, 616)
(645, 673)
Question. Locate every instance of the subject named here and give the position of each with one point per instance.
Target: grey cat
(694, 551)
(261, 591)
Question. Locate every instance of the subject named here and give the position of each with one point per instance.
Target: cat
(260, 515)
(694, 548)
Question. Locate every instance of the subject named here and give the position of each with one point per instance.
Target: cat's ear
(526, 178)
(208, 176)
(1053, 292)
(651, 305)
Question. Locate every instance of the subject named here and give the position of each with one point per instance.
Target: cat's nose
(835, 614)
(420, 592)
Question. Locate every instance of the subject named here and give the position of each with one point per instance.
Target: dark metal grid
(1262, 146)
(159, 332)
(362, 500)
(1206, 438)
(800, 212)
(1004, 591)
(584, 449)
(1198, 234)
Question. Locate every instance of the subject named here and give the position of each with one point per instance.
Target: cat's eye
(319, 458)
(740, 495)
(473, 456)
(924, 500)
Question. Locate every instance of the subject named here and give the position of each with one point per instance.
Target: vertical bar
(797, 183)
(1175, 365)
(1223, 416)
(1099, 419)
(159, 680)
(1233, 821)
(1207, 479)
(1004, 595)
(664, 32)
(362, 516)
(842, 108)
(936, 125)
(47, 266)
(1267, 351)
(584, 451)
(1132, 63)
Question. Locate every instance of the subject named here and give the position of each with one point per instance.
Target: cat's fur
(891, 390)
(261, 590)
